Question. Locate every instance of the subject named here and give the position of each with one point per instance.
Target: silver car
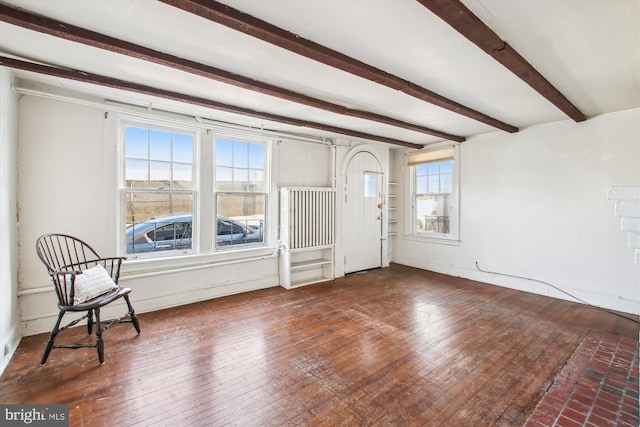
(174, 232)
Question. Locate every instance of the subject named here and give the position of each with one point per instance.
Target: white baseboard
(9, 345)
(144, 302)
(603, 300)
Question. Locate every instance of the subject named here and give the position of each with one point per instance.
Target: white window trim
(168, 125)
(453, 237)
(203, 251)
(251, 139)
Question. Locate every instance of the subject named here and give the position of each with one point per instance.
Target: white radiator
(307, 216)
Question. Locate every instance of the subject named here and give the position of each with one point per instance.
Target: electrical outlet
(543, 289)
(7, 349)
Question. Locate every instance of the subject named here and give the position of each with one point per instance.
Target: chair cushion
(93, 282)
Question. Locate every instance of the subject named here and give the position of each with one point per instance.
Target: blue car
(173, 232)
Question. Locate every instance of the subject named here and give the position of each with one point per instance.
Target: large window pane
(150, 155)
(240, 219)
(158, 222)
(432, 214)
(240, 180)
(158, 162)
(140, 206)
(159, 194)
(240, 166)
(433, 188)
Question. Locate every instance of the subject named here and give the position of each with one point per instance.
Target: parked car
(174, 232)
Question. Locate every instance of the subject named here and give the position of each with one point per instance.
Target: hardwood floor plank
(394, 346)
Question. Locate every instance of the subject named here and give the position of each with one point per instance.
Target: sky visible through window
(156, 157)
(239, 166)
(160, 195)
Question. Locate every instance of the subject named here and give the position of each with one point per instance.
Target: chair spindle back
(64, 255)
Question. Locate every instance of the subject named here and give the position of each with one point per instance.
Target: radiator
(307, 216)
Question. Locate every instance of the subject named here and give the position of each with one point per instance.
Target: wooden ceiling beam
(237, 20)
(454, 13)
(109, 82)
(90, 38)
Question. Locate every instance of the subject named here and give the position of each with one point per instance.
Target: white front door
(362, 214)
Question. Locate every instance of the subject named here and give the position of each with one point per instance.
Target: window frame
(411, 230)
(204, 248)
(165, 126)
(265, 193)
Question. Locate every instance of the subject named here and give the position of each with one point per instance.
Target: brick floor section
(597, 387)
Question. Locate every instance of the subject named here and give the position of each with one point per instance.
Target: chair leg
(52, 338)
(99, 342)
(132, 314)
(90, 322)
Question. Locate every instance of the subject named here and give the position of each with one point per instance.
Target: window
(241, 192)
(173, 204)
(433, 193)
(370, 185)
(159, 193)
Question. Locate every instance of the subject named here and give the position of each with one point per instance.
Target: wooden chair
(84, 282)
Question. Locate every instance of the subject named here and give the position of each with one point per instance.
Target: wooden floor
(390, 347)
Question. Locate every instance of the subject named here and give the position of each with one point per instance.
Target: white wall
(301, 164)
(534, 204)
(67, 164)
(9, 316)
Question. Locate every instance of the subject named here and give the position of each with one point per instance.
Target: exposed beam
(101, 41)
(189, 99)
(454, 13)
(232, 18)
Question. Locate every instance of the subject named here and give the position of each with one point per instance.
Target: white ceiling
(588, 49)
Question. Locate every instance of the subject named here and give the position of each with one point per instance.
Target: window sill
(437, 239)
(180, 262)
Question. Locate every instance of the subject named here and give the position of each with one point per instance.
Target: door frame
(345, 167)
